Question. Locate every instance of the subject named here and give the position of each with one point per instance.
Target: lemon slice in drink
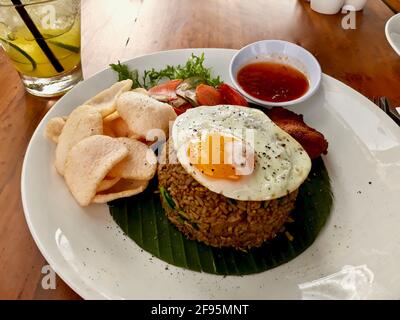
(22, 60)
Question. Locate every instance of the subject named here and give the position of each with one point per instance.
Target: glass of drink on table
(42, 38)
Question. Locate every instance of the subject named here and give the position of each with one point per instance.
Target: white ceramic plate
(392, 31)
(355, 256)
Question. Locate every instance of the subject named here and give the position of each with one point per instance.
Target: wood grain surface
(123, 29)
(393, 4)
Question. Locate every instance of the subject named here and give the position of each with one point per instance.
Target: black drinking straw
(37, 35)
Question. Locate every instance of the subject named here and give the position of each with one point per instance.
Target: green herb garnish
(193, 68)
(124, 74)
(167, 198)
(171, 203)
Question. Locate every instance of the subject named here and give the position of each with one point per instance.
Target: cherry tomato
(208, 96)
(231, 96)
(165, 91)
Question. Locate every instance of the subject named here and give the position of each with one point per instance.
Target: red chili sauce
(272, 82)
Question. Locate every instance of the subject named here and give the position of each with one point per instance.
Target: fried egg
(239, 152)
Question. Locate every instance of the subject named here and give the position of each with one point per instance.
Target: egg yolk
(213, 156)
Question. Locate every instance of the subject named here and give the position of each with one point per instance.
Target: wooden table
(393, 4)
(361, 58)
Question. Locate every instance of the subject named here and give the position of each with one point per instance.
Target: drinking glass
(42, 38)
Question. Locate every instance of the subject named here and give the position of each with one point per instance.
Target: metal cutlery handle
(384, 104)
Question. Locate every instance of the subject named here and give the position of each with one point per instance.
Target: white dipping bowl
(392, 31)
(281, 52)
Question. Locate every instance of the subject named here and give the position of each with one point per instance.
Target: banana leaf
(142, 219)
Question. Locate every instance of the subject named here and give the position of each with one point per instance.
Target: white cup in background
(354, 5)
(327, 6)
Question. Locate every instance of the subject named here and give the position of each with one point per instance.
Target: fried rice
(214, 219)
